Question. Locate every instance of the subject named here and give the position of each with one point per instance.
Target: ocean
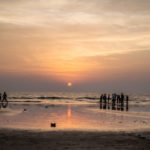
(74, 111)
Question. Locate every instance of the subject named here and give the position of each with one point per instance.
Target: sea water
(73, 111)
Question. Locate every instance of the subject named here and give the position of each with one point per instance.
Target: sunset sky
(97, 45)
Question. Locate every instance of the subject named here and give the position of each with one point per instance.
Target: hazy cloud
(69, 38)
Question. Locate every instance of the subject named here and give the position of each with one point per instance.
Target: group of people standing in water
(3, 97)
(116, 100)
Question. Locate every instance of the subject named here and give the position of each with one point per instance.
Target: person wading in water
(4, 96)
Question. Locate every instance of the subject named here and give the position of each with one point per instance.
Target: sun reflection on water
(70, 117)
(69, 111)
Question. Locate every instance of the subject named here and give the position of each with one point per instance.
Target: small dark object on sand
(53, 125)
(141, 137)
(25, 110)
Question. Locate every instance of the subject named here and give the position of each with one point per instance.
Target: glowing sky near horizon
(83, 42)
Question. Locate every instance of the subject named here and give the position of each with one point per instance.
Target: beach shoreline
(13, 139)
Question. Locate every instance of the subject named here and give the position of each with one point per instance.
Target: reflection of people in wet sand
(4, 104)
(104, 105)
(101, 104)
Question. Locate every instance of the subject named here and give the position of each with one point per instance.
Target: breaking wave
(53, 98)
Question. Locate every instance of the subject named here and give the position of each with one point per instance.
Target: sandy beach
(81, 124)
(73, 140)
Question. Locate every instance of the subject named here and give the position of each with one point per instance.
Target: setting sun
(69, 84)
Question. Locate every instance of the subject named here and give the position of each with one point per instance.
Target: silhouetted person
(0, 97)
(127, 99)
(118, 98)
(118, 106)
(104, 98)
(108, 98)
(122, 97)
(4, 96)
(101, 98)
(113, 98)
(114, 101)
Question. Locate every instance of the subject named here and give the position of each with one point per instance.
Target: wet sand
(11, 139)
